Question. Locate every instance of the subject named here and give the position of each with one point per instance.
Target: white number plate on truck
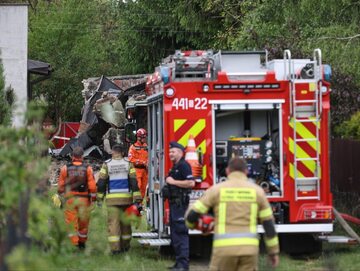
(195, 194)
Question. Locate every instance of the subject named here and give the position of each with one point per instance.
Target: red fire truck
(275, 114)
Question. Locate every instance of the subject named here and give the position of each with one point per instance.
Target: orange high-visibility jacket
(138, 155)
(83, 173)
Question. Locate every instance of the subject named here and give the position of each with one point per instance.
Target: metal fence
(345, 165)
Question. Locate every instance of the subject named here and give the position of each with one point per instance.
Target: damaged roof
(39, 67)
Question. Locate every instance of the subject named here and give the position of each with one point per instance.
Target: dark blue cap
(174, 144)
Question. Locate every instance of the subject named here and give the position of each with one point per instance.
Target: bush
(350, 129)
(6, 99)
(23, 168)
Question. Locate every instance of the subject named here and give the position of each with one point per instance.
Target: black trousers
(179, 234)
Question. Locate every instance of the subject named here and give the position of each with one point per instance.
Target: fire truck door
(156, 164)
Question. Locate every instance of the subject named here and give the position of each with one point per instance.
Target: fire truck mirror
(130, 132)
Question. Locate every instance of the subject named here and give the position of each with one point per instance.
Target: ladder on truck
(302, 111)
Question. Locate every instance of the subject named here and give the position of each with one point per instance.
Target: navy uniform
(179, 202)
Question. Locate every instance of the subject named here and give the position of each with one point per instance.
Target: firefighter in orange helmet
(77, 185)
(237, 205)
(138, 155)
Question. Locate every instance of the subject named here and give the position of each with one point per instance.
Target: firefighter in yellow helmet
(117, 184)
(237, 205)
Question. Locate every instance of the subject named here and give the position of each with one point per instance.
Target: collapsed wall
(104, 108)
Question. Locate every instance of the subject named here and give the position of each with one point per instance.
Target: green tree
(301, 26)
(350, 129)
(71, 36)
(151, 30)
(88, 38)
(25, 211)
(82, 39)
(5, 94)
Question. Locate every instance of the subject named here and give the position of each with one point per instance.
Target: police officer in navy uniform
(179, 181)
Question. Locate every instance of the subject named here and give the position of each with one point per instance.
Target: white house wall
(14, 49)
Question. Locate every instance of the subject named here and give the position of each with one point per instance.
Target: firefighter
(179, 183)
(237, 205)
(138, 155)
(117, 185)
(77, 185)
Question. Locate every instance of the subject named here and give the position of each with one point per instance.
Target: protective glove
(57, 200)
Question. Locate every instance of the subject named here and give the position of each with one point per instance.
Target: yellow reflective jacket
(238, 205)
(120, 186)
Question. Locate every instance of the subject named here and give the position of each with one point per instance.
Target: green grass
(96, 256)
(334, 257)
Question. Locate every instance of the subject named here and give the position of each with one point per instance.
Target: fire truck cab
(274, 114)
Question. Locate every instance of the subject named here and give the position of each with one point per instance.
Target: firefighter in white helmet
(237, 205)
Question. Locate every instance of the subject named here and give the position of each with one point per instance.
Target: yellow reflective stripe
(236, 242)
(114, 238)
(136, 193)
(178, 123)
(253, 217)
(265, 213)
(292, 174)
(200, 207)
(132, 170)
(312, 87)
(118, 195)
(194, 130)
(126, 237)
(189, 225)
(300, 153)
(222, 217)
(103, 170)
(100, 195)
(237, 194)
(202, 146)
(305, 133)
(204, 172)
(272, 242)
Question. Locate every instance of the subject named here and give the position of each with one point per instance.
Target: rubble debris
(105, 100)
(88, 114)
(110, 109)
(113, 136)
(56, 165)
